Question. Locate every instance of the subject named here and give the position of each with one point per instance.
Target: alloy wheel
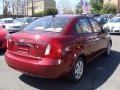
(79, 70)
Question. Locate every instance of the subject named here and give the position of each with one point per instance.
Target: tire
(108, 50)
(77, 72)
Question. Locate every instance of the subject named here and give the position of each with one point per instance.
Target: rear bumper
(13, 31)
(45, 68)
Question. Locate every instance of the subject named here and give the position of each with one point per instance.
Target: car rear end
(40, 59)
(38, 53)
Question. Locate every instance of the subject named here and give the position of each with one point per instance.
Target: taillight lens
(47, 51)
(9, 43)
(53, 50)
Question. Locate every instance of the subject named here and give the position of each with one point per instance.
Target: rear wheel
(77, 71)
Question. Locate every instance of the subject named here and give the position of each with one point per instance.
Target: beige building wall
(115, 2)
(38, 7)
(41, 5)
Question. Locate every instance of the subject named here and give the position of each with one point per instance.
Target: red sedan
(55, 46)
(3, 37)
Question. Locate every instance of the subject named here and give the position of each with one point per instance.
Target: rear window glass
(48, 24)
(85, 25)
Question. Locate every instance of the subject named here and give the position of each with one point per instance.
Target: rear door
(87, 38)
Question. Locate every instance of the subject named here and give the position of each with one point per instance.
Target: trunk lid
(30, 43)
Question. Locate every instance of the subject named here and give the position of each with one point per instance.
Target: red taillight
(47, 51)
(10, 43)
(53, 50)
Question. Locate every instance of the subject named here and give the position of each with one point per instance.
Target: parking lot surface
(101, 74)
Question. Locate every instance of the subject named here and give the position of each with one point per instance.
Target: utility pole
(17, 7)
(32, 7)
(13, 8)
(24, 5)
(118, 7)
(27, 7)
(3, 9)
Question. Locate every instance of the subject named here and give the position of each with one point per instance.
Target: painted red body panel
(33, 61)
(3, 40)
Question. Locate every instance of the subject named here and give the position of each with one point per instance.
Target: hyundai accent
(57, 46)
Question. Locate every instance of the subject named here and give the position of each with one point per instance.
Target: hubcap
(79, 70)
(109, 49)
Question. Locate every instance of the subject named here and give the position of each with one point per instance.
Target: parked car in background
(93, 15)
(3, 37)
(113, 25)
(10, 25)
(55, 46)
(118, 15)
(34, 18)
(101, 20)
(104, 18)
(23, 21)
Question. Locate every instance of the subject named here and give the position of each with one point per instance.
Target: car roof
(67, 16)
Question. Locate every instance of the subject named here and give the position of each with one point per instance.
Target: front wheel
(108, 50)
(77, 71)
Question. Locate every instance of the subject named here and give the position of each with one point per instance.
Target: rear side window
(78, 28)
(85, 25)
(96, 26)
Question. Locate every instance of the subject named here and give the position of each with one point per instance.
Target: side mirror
(106, 30)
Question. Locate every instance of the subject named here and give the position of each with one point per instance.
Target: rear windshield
(48, 24)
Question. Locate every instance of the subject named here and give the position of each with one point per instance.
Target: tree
(5, 11)
(96, 6)
(108, 8)
(39, 14)
(6, 7)
(32, 6)
(78, 8)
(51, 11)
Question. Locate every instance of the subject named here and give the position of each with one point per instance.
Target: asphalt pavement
(101, 74)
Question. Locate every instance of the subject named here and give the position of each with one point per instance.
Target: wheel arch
(84, 57)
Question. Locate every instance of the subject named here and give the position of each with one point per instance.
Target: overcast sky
(71, 2)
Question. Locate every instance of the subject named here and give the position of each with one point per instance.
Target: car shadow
(97, 72)
(2, 52)
(115, 34)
